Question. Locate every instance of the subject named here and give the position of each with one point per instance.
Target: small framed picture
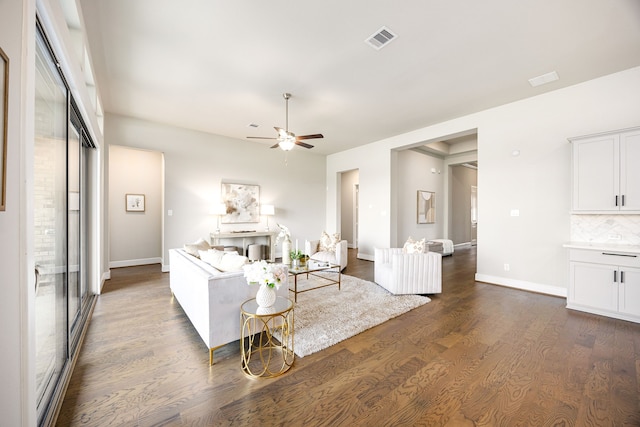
(134, 202)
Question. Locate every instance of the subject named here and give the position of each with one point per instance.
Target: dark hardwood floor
(476, 355)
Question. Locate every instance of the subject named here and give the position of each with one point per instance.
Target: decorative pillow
(193, 248)
(328, 242)
(212, 257)
(223, 261)
(233, 262)
(414, 246)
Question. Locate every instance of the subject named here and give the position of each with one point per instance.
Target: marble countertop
(633, 249)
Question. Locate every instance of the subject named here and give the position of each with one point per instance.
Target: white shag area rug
(324, 317)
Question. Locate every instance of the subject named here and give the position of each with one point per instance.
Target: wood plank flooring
(476, 355)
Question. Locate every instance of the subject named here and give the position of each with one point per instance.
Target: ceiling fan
(287, 140)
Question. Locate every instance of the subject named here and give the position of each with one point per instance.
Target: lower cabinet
(605, 282)
(630, 292)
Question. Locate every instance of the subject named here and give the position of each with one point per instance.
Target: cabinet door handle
(615, 276)
(616, 200)
(627, 255)
(623, 200)
(622, 277)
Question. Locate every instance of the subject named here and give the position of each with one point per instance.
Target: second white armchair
(402, 273)
(312, 248)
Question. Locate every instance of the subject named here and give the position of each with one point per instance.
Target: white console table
(247, 238)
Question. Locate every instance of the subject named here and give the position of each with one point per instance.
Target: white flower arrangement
(264, 273)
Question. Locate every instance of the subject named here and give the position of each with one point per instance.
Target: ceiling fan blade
(304, 144)
(260, 137)
(314, 136)
(275, 146)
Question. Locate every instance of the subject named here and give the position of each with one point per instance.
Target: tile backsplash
(604, 229)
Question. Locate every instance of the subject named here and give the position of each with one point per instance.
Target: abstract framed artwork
(426, 207)
(134, 202)
(4, 107)
(242, 202)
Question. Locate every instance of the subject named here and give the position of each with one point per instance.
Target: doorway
(349, 196)
(463, 220)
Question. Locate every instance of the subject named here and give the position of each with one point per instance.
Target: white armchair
(400, 273)
(311, 248)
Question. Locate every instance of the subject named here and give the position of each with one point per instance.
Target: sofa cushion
(328, 242)
(223, 261)
(324, 256)
(193, 248)
(414, 246)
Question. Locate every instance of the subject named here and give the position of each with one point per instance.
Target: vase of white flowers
(269, 277)
(285, 236)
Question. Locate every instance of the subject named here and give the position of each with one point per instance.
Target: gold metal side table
(266, 338)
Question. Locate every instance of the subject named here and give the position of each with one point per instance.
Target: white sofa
(340, 256)
(210, 298)
(400, 273)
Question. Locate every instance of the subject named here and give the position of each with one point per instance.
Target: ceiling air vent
(381, 38)
(544, 79)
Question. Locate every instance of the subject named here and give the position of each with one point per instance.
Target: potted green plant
(298, 258)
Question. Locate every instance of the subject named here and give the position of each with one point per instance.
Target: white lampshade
(267, 210)
(218, 209)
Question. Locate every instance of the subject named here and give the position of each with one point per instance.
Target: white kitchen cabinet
(606, 176)
(630, 292)
(605, 281)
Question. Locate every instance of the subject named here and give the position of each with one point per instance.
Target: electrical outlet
(506, 267)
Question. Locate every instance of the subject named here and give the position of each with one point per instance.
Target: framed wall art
(4, 107)
(242, 202)
(134, 202)
(426, 207)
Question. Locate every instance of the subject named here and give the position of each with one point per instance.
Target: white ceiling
(217, 66)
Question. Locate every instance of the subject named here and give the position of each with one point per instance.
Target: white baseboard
(134, 262)
(367, 257)
(166, 268)
(523, 284)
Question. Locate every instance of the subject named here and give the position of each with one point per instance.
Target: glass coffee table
(328, 273)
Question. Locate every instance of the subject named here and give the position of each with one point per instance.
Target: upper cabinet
(606, 172)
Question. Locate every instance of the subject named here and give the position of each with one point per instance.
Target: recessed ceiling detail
(544, 79)
(381, 38)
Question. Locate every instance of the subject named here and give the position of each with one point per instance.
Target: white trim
(367, 257)
(523, 285)
(601, 312)
(166, 268)
(134, 262)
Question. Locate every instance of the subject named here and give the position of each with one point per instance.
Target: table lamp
(219, 209)
(267, 210)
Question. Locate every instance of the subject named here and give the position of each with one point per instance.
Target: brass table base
(263, 354)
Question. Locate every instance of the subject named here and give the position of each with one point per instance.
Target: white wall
(135, 237)
(196, 163)
(537, 182)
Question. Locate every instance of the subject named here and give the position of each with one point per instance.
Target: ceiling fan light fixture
(287, 143)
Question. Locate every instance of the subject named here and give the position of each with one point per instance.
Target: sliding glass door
(61, 169)
(50, 215)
